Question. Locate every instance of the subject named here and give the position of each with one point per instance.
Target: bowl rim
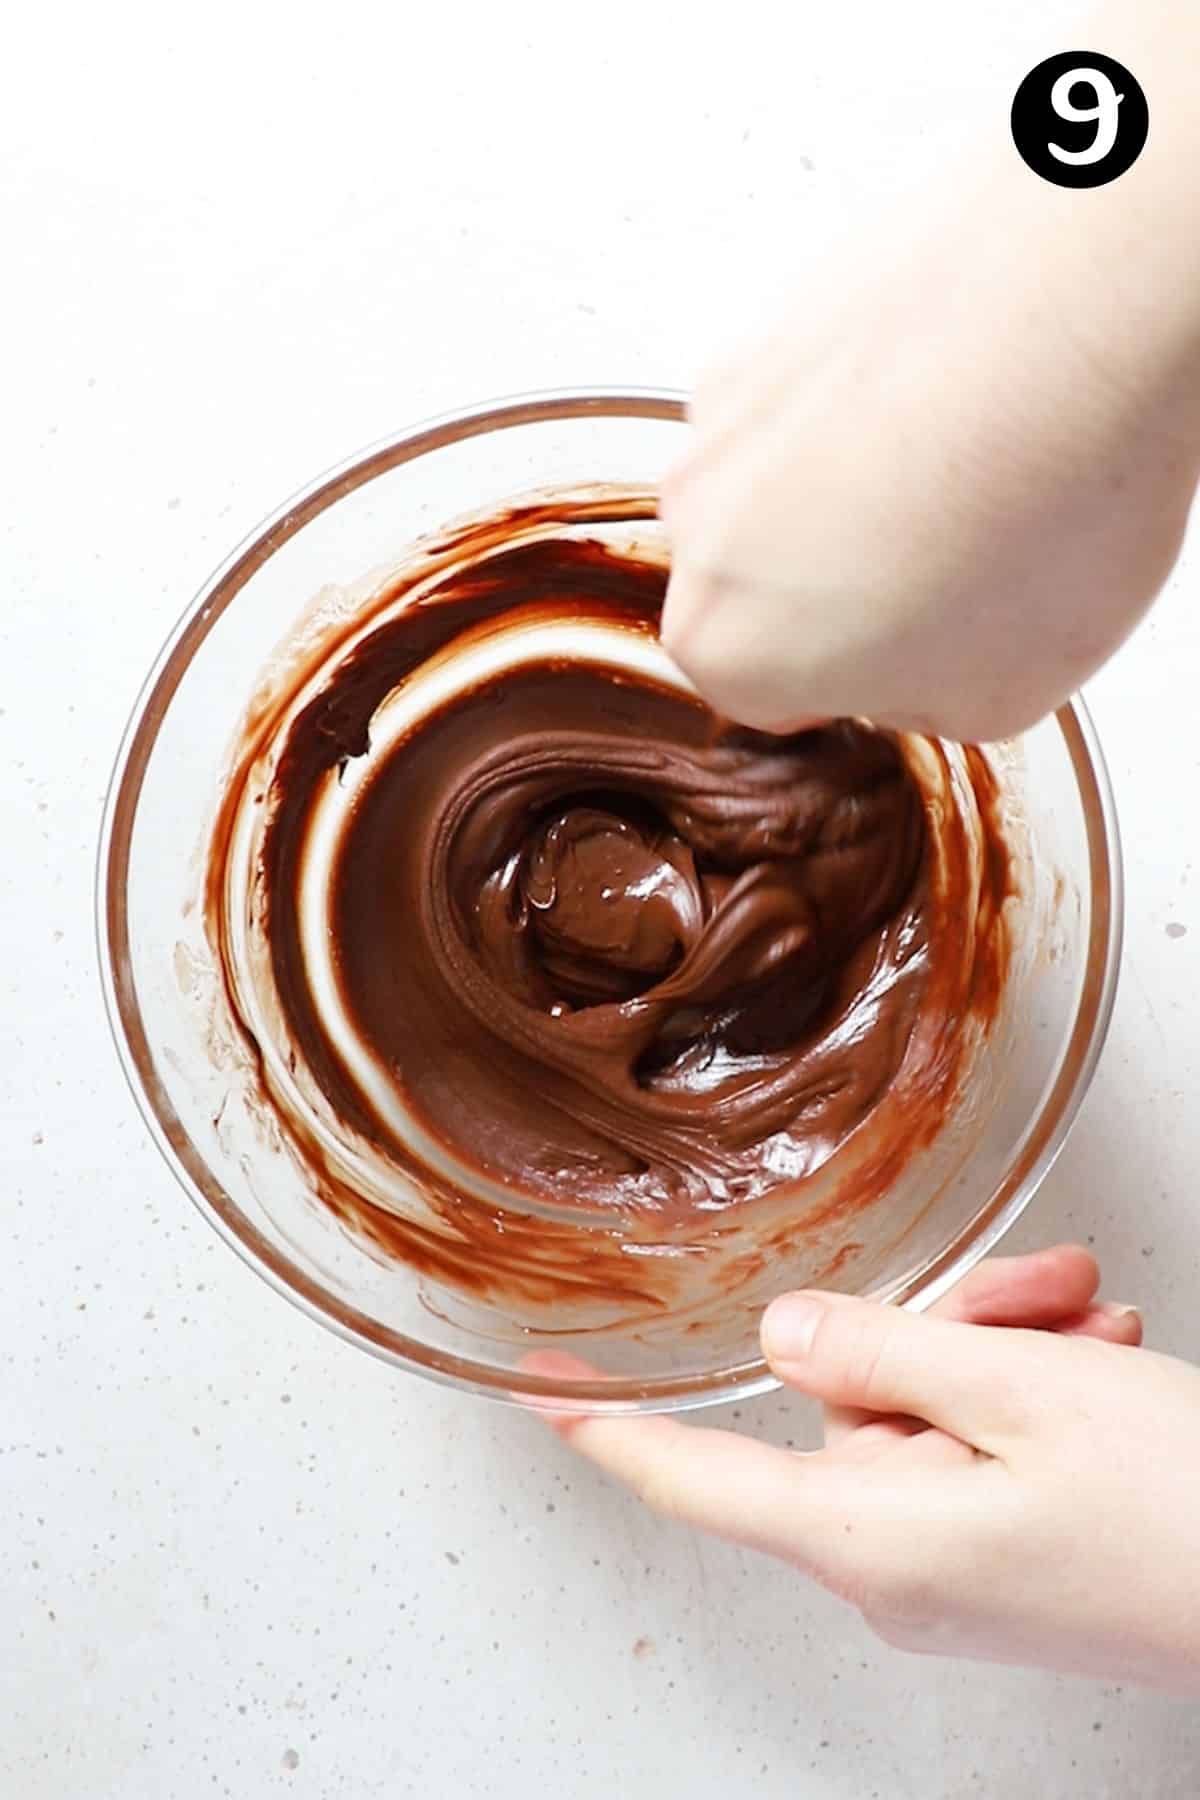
(1043, 1141)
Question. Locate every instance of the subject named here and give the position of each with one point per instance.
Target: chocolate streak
(618, 957)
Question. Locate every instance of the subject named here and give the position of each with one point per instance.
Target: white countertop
(236, 1556)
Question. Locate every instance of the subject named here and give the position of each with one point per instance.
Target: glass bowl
(946, 1209)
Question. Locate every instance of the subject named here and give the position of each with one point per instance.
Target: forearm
(942, 492)
(1117, 266)
(1144, 230)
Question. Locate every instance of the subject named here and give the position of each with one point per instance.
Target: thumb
(975, 1382)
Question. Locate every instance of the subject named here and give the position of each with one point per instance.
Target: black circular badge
(1080, 119)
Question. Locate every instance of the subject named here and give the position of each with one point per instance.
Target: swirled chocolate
(617, 959)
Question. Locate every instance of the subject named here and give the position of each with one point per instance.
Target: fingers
(974, 1382)
(1111, 1324)
(1049, 1290)
(856, 1528)
(702, 631)
(746, 1491)
(740, 1489)
(737, 669)
(1039, 1290)
(804, 1508)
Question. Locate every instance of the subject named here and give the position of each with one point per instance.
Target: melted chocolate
(611, 952)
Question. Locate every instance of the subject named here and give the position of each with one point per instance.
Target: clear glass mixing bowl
(948, 1207)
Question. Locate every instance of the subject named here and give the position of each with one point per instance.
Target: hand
(943, 490)
(986, 1490)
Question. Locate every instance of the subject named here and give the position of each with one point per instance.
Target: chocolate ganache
(606, 950)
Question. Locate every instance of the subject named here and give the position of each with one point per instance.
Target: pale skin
(1007, 1478)
(938, 496)
(943, 489)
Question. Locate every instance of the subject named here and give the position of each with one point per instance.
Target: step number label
(1080, 119)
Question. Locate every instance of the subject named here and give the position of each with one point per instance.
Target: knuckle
(679, 622)
(693, 629)
(848, 1585)
(673, 492)
(657, 1489)
(679, 495)
(896, 1595)
(912, 1641)
(853, 1347)
(907, 1600)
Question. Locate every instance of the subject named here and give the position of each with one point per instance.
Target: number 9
(1106, 114)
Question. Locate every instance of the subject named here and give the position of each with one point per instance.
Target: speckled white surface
(236, 1557)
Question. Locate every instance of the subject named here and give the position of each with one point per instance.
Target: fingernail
(1112, 1311)
(789, 1326)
